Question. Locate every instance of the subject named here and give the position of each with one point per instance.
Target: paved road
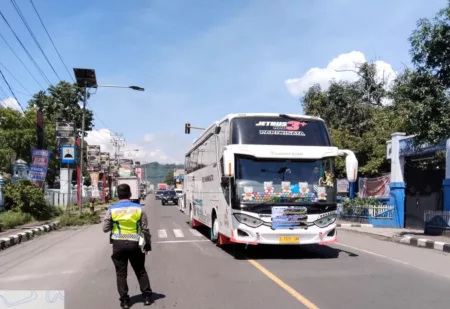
(189, 272)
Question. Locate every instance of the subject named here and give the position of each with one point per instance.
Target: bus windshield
(279, 131)
(281, 182)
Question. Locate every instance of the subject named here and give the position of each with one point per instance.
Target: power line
(4, 78)
(26, 50)
(17, 56)
(48, 34)
(16, 7)
(12, 75)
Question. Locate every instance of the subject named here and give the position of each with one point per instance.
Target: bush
(78, 220)
(10, 219)
(361, 201)
(359, 205)
(23, 196)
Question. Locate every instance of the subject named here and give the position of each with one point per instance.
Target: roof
(231, 116)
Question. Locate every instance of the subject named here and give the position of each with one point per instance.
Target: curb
(423, 243)
(353, 225)
(15, 239)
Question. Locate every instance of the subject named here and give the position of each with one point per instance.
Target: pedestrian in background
(127, 223)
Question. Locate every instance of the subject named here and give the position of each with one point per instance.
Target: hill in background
(156, 172)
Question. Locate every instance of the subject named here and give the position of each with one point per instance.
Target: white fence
(369, 211)
(57, 198)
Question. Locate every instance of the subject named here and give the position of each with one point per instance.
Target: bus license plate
(289, 239)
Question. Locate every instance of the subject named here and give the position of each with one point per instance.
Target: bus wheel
(215, 229)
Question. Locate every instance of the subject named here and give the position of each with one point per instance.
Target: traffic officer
(127, 222)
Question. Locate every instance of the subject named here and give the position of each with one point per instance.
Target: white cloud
(148, 138)
(134, 151)
(10, 103)
(344, 62)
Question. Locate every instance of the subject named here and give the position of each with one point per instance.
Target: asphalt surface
(189, 272)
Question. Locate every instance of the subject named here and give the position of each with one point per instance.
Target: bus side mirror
(225, 181)
(351, 166)
(217, 130)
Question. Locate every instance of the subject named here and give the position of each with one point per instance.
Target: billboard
(65, 135)
(93, 157)
(114, 166)
(104, 161)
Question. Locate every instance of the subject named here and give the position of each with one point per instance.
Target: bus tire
(214, 228)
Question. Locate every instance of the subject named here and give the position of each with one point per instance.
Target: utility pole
(80, 204)
(118, 141)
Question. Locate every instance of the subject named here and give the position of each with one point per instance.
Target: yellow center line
(283, 285)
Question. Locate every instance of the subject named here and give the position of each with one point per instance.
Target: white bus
(265, 178)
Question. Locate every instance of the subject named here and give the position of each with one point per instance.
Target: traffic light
(187, 128)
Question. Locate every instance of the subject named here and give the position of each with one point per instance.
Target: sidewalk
(28, 231)
(410, 237)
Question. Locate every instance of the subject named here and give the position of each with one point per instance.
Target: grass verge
(86, 218)
(10, 219)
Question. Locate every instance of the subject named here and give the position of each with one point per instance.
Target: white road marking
(392, 259)
(178, 233)
(162, 234)
(181, 241)
(195, 232)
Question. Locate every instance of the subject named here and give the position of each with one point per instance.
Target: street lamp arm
(119, 86)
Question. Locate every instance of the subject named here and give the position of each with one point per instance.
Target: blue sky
(200, 60)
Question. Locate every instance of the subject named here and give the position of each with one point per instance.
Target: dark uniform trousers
(124, 250)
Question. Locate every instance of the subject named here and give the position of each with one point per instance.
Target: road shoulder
(403, 236)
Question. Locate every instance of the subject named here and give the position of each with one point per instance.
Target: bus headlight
(248, 220)
(325, 221)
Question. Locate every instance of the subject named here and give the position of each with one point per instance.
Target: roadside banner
(39, 166)
(375, 187)
(94, 184)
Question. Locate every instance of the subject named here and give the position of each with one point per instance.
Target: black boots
(147, 301)
(125, 305)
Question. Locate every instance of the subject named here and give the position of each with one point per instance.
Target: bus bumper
(265, 235)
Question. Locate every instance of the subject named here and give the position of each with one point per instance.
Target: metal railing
(437, 220)
(57, 198)
(367, 211)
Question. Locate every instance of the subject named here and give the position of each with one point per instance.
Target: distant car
(179, 193)
(159, 194)
(169, 196)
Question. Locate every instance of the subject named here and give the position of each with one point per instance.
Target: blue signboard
(407, 147)
(68, 154)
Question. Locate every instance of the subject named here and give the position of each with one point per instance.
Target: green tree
(421, 94)
(357, 118)
(429, 46)
(422, 101)
(169, 178)
(18, 136)
(61, 103)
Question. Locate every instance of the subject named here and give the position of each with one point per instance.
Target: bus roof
(208, 130)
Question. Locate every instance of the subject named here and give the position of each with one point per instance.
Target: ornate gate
(423, 192)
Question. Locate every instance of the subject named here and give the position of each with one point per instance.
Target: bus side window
(186, 164)
(223, 136)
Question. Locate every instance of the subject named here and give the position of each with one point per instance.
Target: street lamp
(117, 86)
(86, 78)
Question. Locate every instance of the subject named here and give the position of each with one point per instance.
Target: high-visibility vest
(126, 217)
